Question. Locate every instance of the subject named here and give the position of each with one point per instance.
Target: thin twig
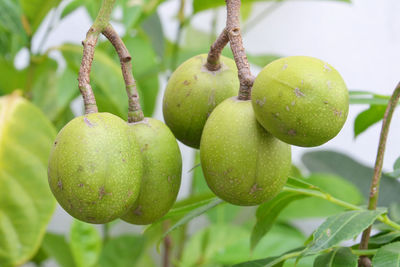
(167, 246)
(89, 45)
(374, 191)
(216, 48)
(261, 16)
(246, 79)
(135, 112)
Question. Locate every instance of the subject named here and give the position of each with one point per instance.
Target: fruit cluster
(102, 168)
(245, 144)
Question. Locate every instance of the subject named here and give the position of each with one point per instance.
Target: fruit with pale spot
(95, 168)
(162, 169)
(301, 100)
(242, 163)
(193, 92)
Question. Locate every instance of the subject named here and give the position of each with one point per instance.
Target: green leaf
(396, 169)
(122, 251)
(364, 97)
(201, 5)
(53, 92)
(153, 28)
(355, 172)
(71, 7)
(245, 11)
(191, 215)
(110, 92)
(36, 11)
(383, 238)
(227, 244)
(57, 247)
(339, 228)
(388, 255)
(10, 78)
(270, 260)
(367, 118)
(268, 212)
(339, 257)
(318, 208)
(262, 60)
(85, 242)
(26, 202)
(12, 33)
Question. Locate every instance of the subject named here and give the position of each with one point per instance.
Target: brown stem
(89, 45)
(216, 48)
(364, 261)
(374, 191)
(246, 79)
(135, 112)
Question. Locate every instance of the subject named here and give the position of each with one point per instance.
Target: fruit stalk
(135, 112)
(374, 191)
(89, 45)
(216, 48)
(235, 39)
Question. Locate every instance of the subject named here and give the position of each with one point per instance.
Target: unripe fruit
(301, 100)
(193, 92)
(242, 163)
(95, 169)
(162, 169)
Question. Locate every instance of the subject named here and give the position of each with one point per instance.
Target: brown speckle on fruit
(186, 82)
(138, 211)
(81, 185)
(292, 132)
(87, 121)
(337, 112)
(261, 102)
(298, 92)
(285, 66)
(254, 189)
(327, 68)
(102, 192)
(59, 184)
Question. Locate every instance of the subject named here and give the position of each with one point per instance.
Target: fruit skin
(162, 169)
(301, 100)
(193, 92)
(242, 163)
(95, 169)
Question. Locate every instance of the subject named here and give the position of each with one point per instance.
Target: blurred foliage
(40, 97)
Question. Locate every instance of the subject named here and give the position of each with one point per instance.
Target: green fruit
(95, 169)
(162, 168)
(301, 100)
(242, 163)
(193, 92)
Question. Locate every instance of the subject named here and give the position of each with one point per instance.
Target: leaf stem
(374, 191)
(368, 252)
(383, 218)
(135, 112)
(284, 258)
(246, 79)
(182, 20)
(89, 44)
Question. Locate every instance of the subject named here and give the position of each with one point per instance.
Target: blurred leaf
(57, 247)
(246, 10)
(316, 207)
(383, 238)
(360, 175)
(85, 242)
(26, 203)
(267, 261)
(10, 78)
(396, 169)
(145, 70)
(40, 257)
(228, 244)
(339, 257)
(153, 28)
(367, 118)
(201, 5)
(268, 212)
(12, 34)
(364, 97)
(122, 251)
(106, 77)
(341, 227)
(388, 255)
(70, 7)
(53, 92)
(191, 215)
(262, 60)
(131, 12)
(36, 11)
